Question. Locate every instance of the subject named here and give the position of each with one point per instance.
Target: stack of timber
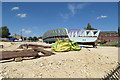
(26, 53)
(32, 45)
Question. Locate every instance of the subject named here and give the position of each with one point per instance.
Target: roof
(108, 32)
(39, 37)
(16, 35)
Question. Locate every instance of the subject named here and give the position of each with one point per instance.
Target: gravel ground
(95, 63)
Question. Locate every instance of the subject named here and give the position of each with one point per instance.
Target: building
(40, 39)
(16, 36)
(109, 36)
(19, 37)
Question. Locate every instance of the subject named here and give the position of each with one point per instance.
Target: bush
(113, 45)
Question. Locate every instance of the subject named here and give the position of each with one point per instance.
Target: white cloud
(26, 31)
(22, 15)
(18, 14)
(80, 6)
(15, 8)
(65, 16)
(101, 17)
(73, 8)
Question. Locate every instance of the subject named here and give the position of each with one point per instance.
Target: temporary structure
(77, 35)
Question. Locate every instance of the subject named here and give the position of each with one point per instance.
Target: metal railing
(113, 74)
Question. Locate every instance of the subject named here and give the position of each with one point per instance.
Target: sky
(35, 18)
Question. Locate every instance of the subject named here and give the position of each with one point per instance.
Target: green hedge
(113, 45)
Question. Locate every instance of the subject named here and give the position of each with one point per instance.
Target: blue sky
(35, 18)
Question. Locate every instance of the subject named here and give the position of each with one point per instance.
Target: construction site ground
(87, 63)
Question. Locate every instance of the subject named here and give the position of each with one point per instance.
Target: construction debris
(47, 53)
(31, 46)
(18, 59)
(16, 54)
(1, 46)
(25, 53)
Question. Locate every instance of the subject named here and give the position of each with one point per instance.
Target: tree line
(33, 38)
(4, 32)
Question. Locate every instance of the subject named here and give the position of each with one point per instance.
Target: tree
(35, 38)
(119, 31)
(4, 32)
(30, 38)
(89, 27)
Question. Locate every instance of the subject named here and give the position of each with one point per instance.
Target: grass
(113, 45)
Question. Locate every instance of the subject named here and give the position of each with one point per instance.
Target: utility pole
(21, 34)
(14, 35)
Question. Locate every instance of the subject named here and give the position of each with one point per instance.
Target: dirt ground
(87, 63)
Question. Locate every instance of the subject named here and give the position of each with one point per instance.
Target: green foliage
(119, 31)
(4, 32)
(30, 38)
(89, 27)
(35, 38)
(113, 45)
